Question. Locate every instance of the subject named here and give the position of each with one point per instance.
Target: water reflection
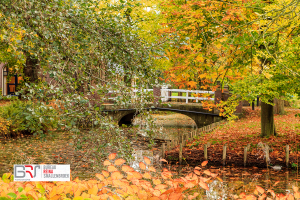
(138, 156)
(234, 180)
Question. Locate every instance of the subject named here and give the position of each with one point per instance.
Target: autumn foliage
(121, 181)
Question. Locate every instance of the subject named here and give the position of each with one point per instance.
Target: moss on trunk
(267, 120)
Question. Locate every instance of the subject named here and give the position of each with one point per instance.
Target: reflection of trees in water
(217, 190)
(138, 156)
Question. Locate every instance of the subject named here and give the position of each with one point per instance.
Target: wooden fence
(184, 138)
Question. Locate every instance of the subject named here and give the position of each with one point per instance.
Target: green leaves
(12, 195)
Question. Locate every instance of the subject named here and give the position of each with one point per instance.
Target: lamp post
(4, 81)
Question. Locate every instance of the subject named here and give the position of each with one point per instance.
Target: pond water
(234, 180)
(231, 180)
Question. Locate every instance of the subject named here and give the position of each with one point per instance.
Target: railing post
(187, 97)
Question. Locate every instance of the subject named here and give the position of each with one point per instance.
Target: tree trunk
(279, 106)
(267, 120)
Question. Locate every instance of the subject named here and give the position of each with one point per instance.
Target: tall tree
(79, 50)
(249, 45)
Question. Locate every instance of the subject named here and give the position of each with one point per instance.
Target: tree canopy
(81, 46)
(72, 54)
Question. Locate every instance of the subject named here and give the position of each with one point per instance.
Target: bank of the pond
(240, 134)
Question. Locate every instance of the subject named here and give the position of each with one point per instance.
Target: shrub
(4, 127)
(27, 117)
(8, 97)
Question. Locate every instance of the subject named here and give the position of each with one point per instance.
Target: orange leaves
(142, 194)
(105, 173)
(112, 168)
(197, 172)
(126, 168)
(166, 174)
(106, 163)
(142, 166)
(175, 196)
(192, 84)
(112, 156)
(147, 175)
(260, 189)
(93, 190)
(147, 160)
(116, 175)
(119, 161)
(204, 185)
(134, 175)
(160, 187)
(111, 184)
(152, 169)
(204, 163)
(100, 176)
(207, 172)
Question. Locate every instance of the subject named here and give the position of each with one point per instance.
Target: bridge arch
(201, 119)
(127, 118)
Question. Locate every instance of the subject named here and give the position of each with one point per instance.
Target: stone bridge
(201, 116)
(195, 110)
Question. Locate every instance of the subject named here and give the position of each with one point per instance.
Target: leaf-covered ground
(56, 149)
(238, 134)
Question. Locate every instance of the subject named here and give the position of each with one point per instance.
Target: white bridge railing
(165, 94)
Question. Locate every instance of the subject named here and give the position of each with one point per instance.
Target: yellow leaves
(53, 192)
(267, 75)
(200, 59)
(202, 75)
(56, 197)
(192, 84)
